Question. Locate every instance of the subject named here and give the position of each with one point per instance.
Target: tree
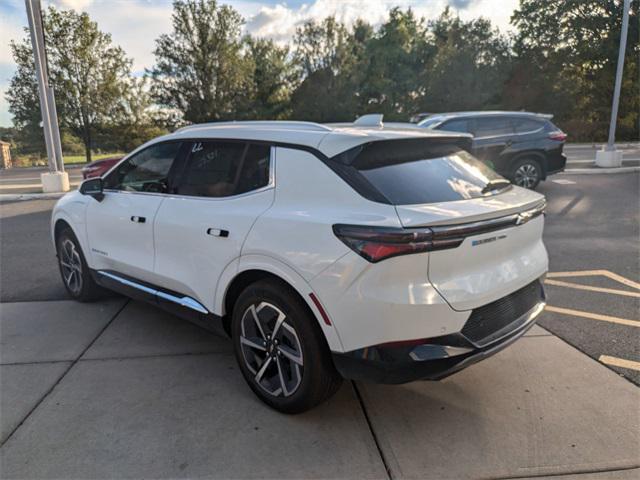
(397, 57)
(330, 58)
(137, 120)
(469, 67)
(89, 75)
(273, 78)
(568, 51)
(200, 69)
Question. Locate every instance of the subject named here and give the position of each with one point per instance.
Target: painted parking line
(593, 273)
(593, 316)
(619, 362)
(577, 286)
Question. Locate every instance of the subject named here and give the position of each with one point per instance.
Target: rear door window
(493, 126)
(224, 169)
(524, 125)
(417, 172)
(461, 125)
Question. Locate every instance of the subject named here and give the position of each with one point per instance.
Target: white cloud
(280, 21)
(73, 4)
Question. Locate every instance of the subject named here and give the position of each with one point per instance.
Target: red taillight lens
(558, 135)
(377, 243)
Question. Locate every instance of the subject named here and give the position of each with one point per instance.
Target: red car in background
(97, 168)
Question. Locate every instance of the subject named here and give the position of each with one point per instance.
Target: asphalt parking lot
(118, 389)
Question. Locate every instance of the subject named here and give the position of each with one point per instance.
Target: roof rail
(290, 124)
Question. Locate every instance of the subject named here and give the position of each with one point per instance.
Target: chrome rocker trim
(184, 301)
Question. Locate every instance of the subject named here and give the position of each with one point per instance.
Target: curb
(17, 197)
(598, 170)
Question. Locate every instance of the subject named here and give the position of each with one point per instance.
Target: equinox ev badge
(475, 243)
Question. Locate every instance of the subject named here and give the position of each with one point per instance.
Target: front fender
(286, 273)
(72, 209)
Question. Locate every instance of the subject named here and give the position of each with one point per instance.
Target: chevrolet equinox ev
(325, 253)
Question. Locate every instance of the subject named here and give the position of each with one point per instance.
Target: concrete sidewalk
(119, 389)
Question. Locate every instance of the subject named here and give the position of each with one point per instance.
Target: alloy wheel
(526, 176)
(71, 266)
(271, 349)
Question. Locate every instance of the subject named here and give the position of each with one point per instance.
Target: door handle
(135, 218)
(217, 232)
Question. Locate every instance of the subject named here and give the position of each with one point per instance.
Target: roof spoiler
(370, 120)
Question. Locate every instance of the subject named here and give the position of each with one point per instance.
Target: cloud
(460, 4)
(73, 4)
(279, 21)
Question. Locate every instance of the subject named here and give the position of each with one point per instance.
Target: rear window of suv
(409, 172)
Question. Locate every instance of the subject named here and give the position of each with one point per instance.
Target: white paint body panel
(286, 230)
(190, 261)
(471, 276)
(118, 243)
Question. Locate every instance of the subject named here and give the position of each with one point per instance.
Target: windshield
(412, 173)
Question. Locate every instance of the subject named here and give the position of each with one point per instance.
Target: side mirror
(92, 187)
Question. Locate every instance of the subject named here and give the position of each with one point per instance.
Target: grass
(28, 161)
(70, 159)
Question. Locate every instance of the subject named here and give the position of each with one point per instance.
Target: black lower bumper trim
(403, 364)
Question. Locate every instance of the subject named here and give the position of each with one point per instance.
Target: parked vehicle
(523, 147)
(99, 167)
(323, 252)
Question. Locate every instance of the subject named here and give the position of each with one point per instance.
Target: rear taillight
(558, 136)
(377, 243)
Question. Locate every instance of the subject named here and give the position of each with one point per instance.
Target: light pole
(609, 156)
(56, 180)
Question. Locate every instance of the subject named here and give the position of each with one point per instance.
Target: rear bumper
(434, 358)
(556, 164)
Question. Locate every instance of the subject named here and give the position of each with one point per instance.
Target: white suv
(323, 252)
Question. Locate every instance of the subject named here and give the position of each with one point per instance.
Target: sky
(135, 24)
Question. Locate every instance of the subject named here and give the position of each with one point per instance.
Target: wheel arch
(536, 155)
(258, 268)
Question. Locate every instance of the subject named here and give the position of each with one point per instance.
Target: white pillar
(56, 180)
(609, 156)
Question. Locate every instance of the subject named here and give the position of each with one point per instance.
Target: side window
(223, 169)
(146, 171)
(455, 126)
(524, 125)
(254, 173)
(493, 126)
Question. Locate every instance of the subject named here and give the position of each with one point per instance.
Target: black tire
(527, 173)
(74, 270)
(286, 385)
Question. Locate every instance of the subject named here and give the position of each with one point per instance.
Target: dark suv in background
(521, 146)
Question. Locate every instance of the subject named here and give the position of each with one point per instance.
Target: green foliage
(272, 78)
(200, 69)
(567, 55)
(330, 59)
(87, 71)
(561, 60)
(469, 67)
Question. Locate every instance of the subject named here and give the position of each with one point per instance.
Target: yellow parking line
(592, 273)
(620, 362)
(621, 279)
(590, 288)
(593, 316)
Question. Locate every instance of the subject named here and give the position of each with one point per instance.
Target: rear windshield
(407, 173)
